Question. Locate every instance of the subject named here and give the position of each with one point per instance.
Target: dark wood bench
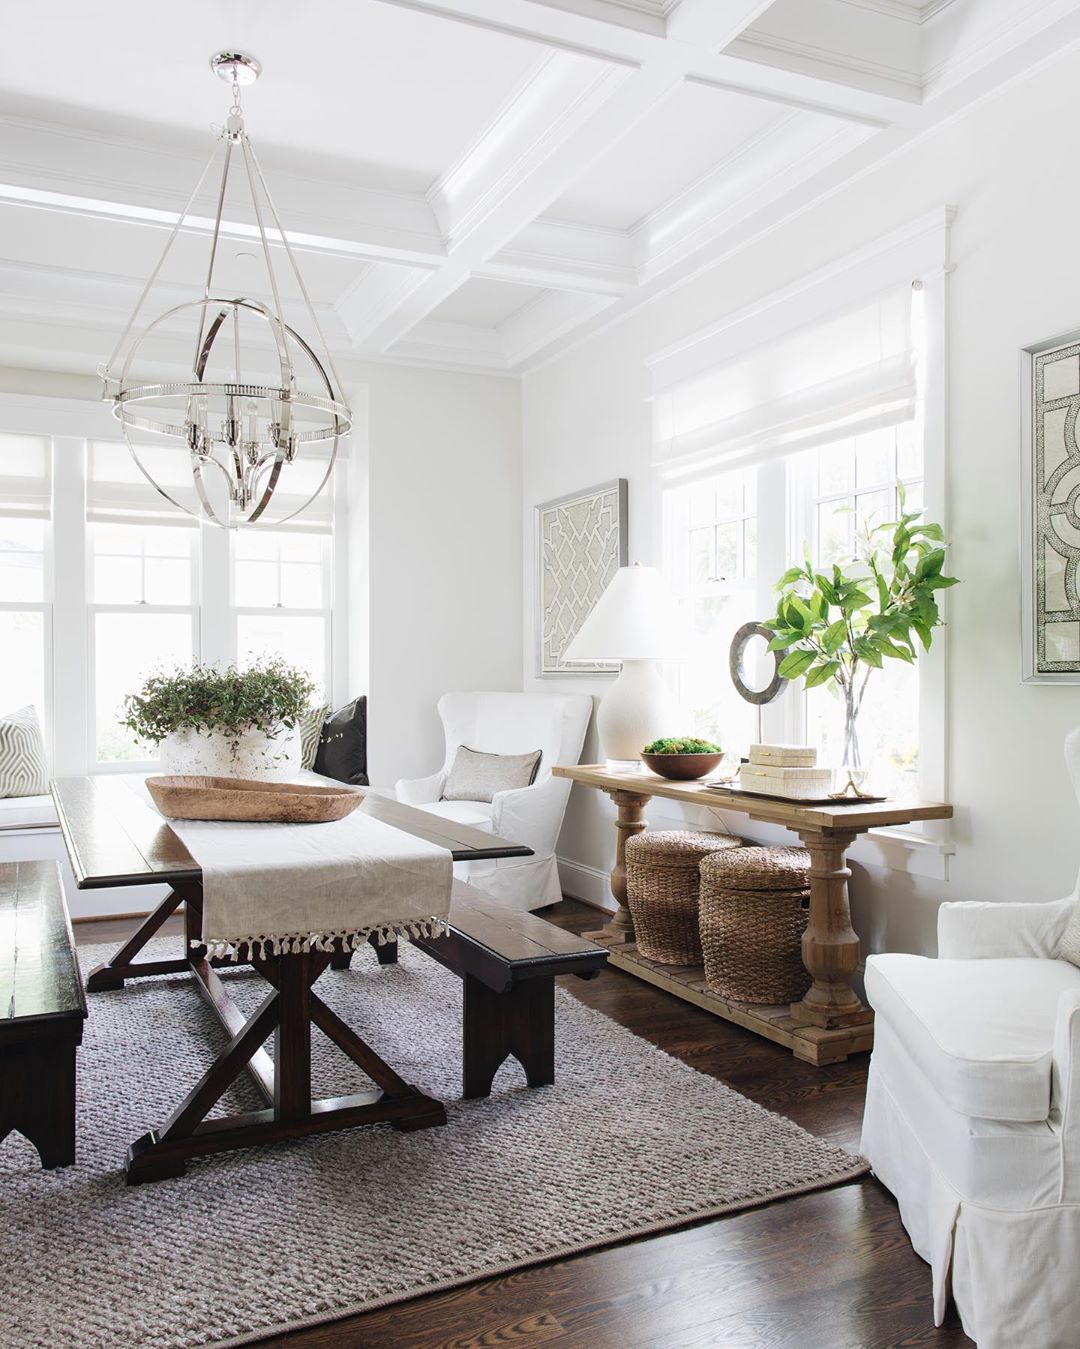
(507, 961)
(42, 1010)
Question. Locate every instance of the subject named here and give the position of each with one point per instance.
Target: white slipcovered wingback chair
(510, 723)
(973, 1113)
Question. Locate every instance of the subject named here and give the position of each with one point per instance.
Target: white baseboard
(589, 884)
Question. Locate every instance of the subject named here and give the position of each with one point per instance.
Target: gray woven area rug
(304, 1232)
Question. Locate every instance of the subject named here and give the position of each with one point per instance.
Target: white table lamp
(632, 623)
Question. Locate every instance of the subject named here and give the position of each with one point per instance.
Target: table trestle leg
(289, 1011)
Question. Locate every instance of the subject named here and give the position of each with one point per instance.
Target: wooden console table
(831, 1021)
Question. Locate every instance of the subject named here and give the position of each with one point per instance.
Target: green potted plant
(223, 722)
(837, 626)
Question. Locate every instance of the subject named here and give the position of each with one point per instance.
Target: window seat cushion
(27, 812)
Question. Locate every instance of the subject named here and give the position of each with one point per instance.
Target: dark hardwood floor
(824, 1271)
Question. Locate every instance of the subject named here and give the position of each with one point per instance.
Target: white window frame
(94, 608)
(44, 607)
(325, 611)
(71, 425)
(916, 252)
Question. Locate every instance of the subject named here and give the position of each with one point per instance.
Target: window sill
(902, 849)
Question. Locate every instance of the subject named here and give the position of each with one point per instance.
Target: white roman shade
(118, 493)
(25, 479)
(837, 378)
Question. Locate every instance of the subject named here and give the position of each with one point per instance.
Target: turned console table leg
(830, 947)
(629, 821)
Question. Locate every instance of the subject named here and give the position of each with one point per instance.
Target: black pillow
(342, 751)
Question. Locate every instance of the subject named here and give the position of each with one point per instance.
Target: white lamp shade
(632, 620)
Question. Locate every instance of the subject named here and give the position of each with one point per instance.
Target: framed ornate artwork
(581, 544)
(1050, 503)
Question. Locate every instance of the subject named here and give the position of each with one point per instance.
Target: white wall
(432, 549)
(445, 554)
(1007, 166)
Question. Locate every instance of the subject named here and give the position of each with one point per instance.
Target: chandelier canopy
(256, 398)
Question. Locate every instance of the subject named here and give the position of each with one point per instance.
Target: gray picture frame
(1050, 460)
(581, 541)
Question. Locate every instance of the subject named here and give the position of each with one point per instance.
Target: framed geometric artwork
(581, 544)
(1050, 505)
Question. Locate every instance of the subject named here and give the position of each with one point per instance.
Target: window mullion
(216, 638)
(72, 716)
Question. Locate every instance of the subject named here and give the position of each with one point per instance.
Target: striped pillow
(22, 755)
(311, 724)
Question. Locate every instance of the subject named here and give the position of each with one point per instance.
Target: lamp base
(635, 710)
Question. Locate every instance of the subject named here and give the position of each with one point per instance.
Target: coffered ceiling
(470, 183)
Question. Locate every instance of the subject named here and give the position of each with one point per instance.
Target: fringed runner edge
(295, 943)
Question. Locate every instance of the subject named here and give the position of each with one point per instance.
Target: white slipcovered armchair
(973, 1113)
(510, 723)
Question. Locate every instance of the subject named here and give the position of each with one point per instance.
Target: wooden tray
(798, 800)
(201, 798)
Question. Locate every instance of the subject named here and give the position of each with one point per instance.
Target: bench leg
(520, 1021)
(37, 1097)
(387, 954)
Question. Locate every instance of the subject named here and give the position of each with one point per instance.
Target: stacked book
(785, 770)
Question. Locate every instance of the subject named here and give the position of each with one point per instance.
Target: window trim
(918, 252)
(70, 425)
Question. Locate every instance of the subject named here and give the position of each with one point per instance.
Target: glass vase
(852, 776)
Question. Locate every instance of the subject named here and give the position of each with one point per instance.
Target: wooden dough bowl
(201, 798)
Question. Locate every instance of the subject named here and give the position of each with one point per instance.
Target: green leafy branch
(268, 695)
(843, 625)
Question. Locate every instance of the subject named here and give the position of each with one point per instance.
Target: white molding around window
(69, 428)
(885, 391)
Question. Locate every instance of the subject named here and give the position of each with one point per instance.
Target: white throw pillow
(23, 771)
(311, 728)
(475, 776)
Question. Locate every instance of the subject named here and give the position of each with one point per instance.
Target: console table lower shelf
(818, 1045)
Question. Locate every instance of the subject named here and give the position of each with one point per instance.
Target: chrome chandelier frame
(248, 432)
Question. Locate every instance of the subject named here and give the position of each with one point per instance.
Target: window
(25, 611)
(281, 599)
(128, 582)
(840, 491)
(790, 449)
(710, 529)
(143, 615)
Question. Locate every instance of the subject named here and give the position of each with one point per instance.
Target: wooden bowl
(202, 798)
(682, 767)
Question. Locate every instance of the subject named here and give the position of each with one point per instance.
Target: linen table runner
(284, 888)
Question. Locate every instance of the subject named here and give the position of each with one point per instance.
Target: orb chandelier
(257, 400)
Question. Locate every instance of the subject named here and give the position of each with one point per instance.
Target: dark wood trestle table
(115, 837)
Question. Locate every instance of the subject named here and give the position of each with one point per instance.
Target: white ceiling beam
(558, 255)
(565, 117)
(571, 138)
(548, 319)
(760, 173)
(375, 297)
(53, 167)
(1059, 33)
(583, 34)
(469, 346)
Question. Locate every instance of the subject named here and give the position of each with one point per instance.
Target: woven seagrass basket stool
(662, 891)
(754, 907)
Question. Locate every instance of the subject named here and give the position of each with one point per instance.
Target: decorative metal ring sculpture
(739, 643)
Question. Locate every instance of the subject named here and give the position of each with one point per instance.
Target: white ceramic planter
(252, 754)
